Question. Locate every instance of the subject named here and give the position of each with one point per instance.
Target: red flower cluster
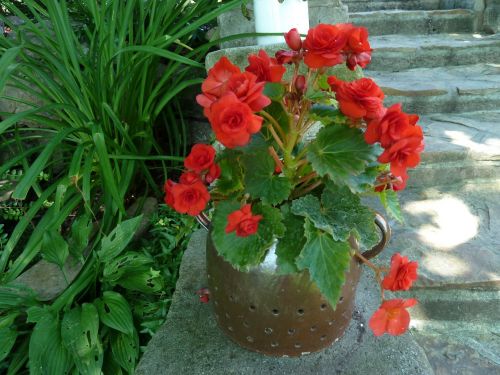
(243, 222)
(329, 45)
(392, 317)
(231, 97)
(190, 196)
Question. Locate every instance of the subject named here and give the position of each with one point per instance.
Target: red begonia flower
(287, 57)
(389, 181)
(248, 90)
(243, 222)
(357, 48)
(402, 274)
(203, 294)
(200, 158)
(213, 173)
(392, 317)
(189, 178)
(265, 68)
(323, 45)
(169, 198)
(293, 39)
(233, 122)
(190, 199)
(215, 85)
(393, 125)
(359, 99)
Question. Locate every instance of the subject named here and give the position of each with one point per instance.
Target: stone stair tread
(410, 13)
(358, 6)
(465, 79)
(445, 40)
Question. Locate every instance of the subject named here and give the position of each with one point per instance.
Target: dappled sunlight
(451, 224)
(445, 265)
(490, 146)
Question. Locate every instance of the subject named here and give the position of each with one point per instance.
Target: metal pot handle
(385, 230)
(379, 221)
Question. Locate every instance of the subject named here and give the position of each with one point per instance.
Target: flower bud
(293, 40)
(300, 83)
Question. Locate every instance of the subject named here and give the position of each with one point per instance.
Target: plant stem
(276, 158)
(375, 269)
(274, 123)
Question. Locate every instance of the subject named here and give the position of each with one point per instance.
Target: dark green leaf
(81, 230)
(146, 280)
(131, 261)
(290, 245)
(47, 355)
(118, 239)
(326, 114)
(364, 181)
(125, 350)
(274, 90)
(277, 111)
(80, 335)
(114, 311)
(8, 338)
(390, 201)
(54, 248)
(242, 252)
(327, 261)
(340, 213)
(340, 152)
(231, 177)
(15, 295)
(260, 180)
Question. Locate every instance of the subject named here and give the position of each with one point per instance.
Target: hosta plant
(277, 177)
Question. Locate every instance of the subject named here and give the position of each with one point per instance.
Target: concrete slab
(191, 343)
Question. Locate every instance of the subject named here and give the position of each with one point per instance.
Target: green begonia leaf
(291, 244)
(339, 213)
(327, 261)
(340, 152)
(231, 177)
(274, 90)
(242, 252)
(260, 180)
(326, 114)
(390, 201)
(80, 335)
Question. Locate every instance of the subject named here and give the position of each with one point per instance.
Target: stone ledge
(191, 343)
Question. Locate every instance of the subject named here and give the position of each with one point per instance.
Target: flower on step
(203, 294)
(324, 46)
(189, 196)
(358, 99)
(392, 126)
(243, 221)
(200, 158)
(357, 49)
(392, 317)
(265, 68)
(401, 275)
(233, 121)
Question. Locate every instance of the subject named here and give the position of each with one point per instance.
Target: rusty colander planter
(280, 315)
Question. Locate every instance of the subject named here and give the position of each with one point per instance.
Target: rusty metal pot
(280, 315)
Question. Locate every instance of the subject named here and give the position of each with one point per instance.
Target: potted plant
(288, 222)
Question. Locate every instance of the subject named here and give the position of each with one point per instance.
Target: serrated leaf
(113, 244)
(327, 261)
(326, 114)
(390, 201)
(339, 213)
(364, 181)
(8, 338)
(125, 350)
(290, 245)
(274, 90)
(340, 152)
(54, 248)
(80, 335)
(114, 311)
(231, 177)
(260, 180)
(243, 252)
(47, 355)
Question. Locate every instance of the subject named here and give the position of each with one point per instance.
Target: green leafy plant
(274, 187)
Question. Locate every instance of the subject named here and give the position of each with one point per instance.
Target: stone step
(458, 147)
(400, 52)
(366, 6)
(385, 22)
(443, 89)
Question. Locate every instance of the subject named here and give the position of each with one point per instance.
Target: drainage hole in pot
(323, 306)
(291, 331)
(314, 329)
(330, 323)
(274, 344)
(245, 324)
(297, 345)
(249, 338)
(231, 298)
(231, 329)
(300, 312)
(323, 338)
(276, 312)
(341, 299)
(252, 308)
(268, 331)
